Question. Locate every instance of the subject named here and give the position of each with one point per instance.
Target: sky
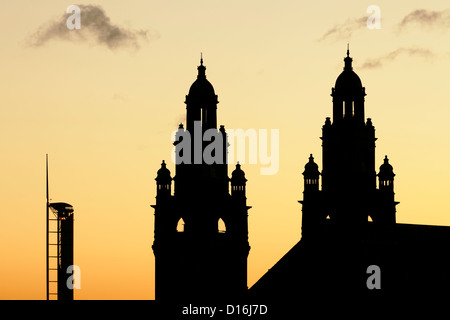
(103, 101)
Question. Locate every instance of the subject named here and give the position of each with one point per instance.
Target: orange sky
(104, 110)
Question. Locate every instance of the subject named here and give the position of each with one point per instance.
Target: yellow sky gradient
(105, 117)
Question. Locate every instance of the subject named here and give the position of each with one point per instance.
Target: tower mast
(47, 227)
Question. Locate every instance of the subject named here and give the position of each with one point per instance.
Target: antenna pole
(47, 229)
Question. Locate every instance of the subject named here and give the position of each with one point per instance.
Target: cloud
(96, 27)
(391, 56)
(427, 18)
(120, 97)
(345, 30)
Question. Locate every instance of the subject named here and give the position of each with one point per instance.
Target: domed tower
(348, 95)
(311, 175)
(349, 195)
(385, 212)
(163, 181)
(207, 257)
(238, 181)
(312, 212)
(201, 102)
(386, 176)
(349, 177)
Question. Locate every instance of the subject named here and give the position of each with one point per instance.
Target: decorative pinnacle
(201, 68)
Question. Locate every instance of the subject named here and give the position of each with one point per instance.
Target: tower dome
(201, 89)
(311, 169)
(163, 174)
(238, 176)
(348, 79)
(386, 170)
(348, 95)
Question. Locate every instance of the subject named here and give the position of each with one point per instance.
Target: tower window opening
(180, 225)
(221, 226)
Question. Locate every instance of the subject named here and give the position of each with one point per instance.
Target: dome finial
(201, 68)
(348, 60)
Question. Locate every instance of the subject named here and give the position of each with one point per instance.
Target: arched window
(180, 225)
(221, 226)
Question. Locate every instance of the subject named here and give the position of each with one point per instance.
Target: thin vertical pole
(47, 207)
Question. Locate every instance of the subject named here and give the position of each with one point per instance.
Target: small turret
(163, 181)
(386, 176)
(238, 181)
(311, 175)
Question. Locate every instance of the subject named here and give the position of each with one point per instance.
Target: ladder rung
(53, 244)
(53, 256)
(53, 232)
(52, 280)
(53, 269)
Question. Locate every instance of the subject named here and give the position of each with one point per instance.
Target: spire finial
(201, 68)
(348, 60)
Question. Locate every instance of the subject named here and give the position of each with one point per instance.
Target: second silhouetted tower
(349, 195)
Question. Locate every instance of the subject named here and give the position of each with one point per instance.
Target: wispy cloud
(120, 97)
(345, 30)
(389, 57)
(426, 18)
(96, 28)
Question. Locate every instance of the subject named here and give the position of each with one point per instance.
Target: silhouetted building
(201, 231)
(349, 194)
(349, 224)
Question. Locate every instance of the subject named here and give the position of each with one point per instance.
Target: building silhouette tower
(64, 218)
(59, 247)
(339, 244)
(349, 195)
(194, 257)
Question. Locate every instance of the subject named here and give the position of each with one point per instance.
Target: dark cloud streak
(380, 61)
(427, 18)
(345, 30)
(96, 27)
